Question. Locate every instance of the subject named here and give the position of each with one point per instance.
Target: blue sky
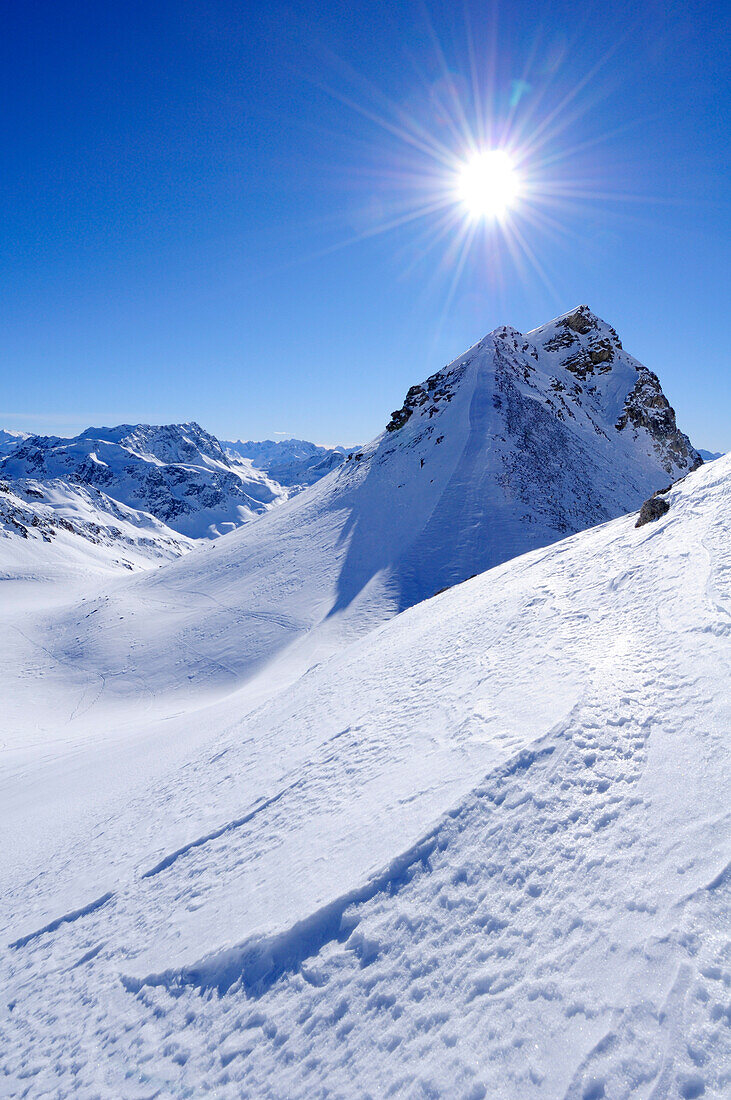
(211, 210)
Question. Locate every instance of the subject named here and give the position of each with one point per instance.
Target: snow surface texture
(294, 463)
(481, 852)
(176, 472)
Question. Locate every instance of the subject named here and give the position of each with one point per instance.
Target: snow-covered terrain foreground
(482, 851)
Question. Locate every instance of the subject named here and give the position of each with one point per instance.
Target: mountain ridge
(294, 463)
(178, 473)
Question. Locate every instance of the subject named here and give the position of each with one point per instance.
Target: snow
(10, 439)
(483, 469)
(394, 790)
(177, 472)
(53, 529)
(479, 851)
(293, 463)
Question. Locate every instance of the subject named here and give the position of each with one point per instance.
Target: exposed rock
(179, 473)
(95, 518)
(582, 320)
(398, 418)
(652, 509)
(438, 389)
(647, 407)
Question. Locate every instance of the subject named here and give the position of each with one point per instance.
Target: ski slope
(481, 851)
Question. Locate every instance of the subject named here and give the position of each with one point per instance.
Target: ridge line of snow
(259, 960)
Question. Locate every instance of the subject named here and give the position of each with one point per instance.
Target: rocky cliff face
(647, 407)
(590, 347)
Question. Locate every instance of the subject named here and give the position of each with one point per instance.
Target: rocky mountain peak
(565, 388)
(167, 442)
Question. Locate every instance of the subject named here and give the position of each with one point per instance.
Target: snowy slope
(291, 462)
(176, 472)
(49, 528)
(519, 442)
(482, 852)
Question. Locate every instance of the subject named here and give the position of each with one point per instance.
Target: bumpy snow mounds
(176, 472)
(481, 852)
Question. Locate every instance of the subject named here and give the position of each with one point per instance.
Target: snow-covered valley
(416, 784)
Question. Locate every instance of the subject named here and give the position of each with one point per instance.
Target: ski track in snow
(556, 929)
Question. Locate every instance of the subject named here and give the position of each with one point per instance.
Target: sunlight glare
(488, 185)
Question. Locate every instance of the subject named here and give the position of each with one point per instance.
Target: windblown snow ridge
(65, 918)
(255, 965)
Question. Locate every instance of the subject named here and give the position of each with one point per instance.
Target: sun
(488, 185)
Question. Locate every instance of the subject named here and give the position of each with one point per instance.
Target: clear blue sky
(199, 201)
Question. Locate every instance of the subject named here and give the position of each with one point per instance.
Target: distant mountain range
(291, 462)
(709, 456)
(9, 440)
(177, 473)
(519, 441)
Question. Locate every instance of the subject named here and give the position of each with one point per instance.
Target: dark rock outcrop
(647, 407)
(652, 509)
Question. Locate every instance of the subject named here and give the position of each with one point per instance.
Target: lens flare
(488, 185)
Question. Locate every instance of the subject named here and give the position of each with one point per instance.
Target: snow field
(481, 852)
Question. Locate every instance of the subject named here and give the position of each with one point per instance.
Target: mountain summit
(522, 440)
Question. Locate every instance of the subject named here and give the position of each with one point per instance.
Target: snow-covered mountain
(520, 441)
(481, 852)
(9, 440)
(291, 462)
(176, 472)
(77, 527)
